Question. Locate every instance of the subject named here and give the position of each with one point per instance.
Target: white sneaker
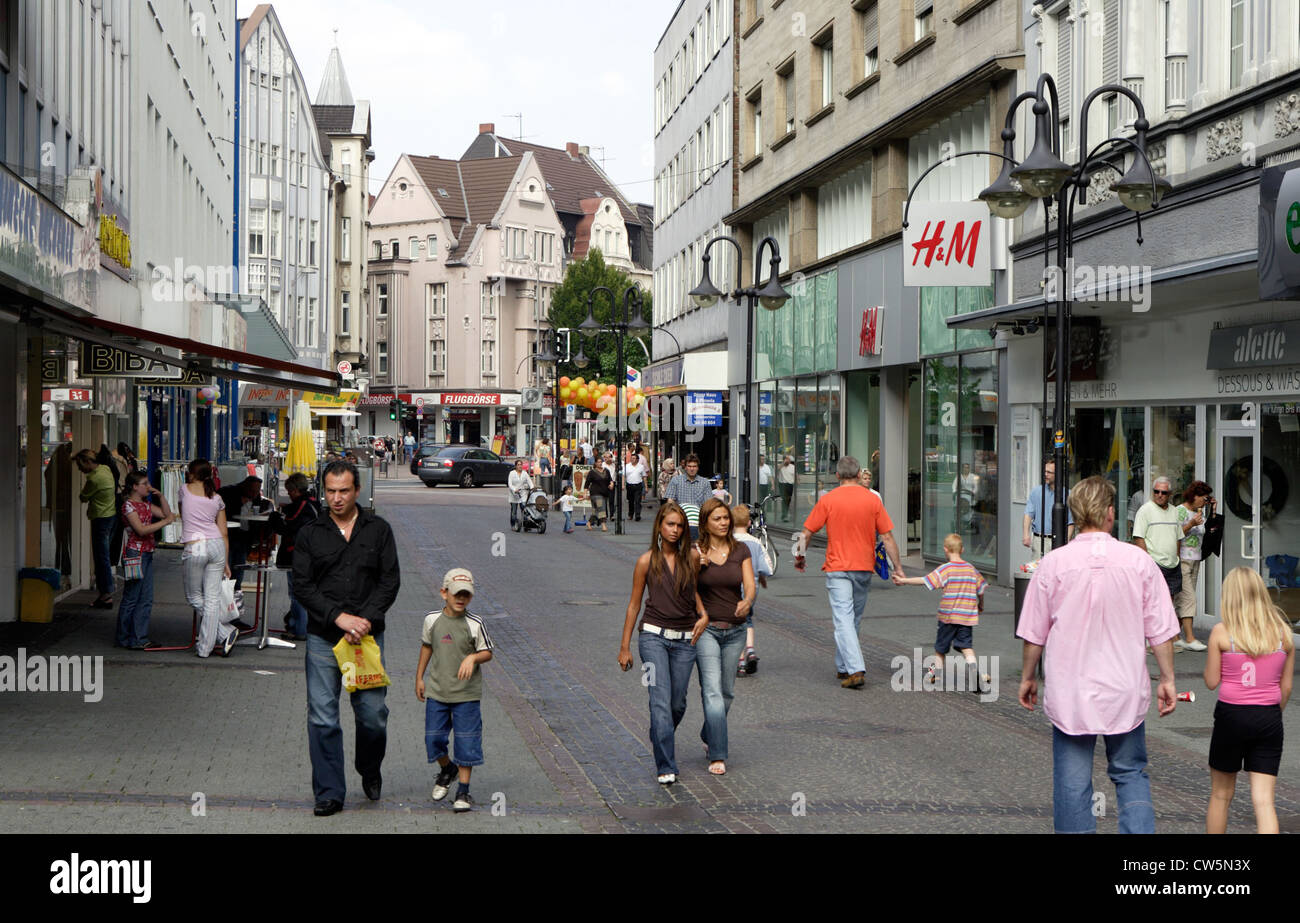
(1180, 644)
(1197, 645)
(668, 778)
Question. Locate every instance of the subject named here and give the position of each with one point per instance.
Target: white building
(284, 190)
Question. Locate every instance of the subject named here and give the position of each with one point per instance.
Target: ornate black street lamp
(771, 296)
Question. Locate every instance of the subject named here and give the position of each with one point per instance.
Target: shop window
(960, 456)
(1111, 442)
(938, 303)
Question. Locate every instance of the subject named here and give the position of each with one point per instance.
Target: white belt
(667, 633)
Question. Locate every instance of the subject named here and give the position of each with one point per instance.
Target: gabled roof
(334, 89)
(442, 176)
(252, 22)
(570, 178)
(333, 120)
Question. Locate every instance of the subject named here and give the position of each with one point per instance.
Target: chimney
(487, 128)
(572, 148)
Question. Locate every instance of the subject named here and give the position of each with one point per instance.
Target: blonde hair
(952, 543)
(1255, 625)
(1089, 500)
(740, 516)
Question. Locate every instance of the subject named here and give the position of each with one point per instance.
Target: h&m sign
(947, 243)
(871, 336)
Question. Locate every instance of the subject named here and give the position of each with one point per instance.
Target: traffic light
(394, 408)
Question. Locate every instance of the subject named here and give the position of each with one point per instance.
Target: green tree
(569, 309)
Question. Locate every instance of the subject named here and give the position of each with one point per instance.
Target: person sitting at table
(242, 499)
(301, 509)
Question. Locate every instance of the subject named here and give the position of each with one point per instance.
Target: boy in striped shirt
(959, 608)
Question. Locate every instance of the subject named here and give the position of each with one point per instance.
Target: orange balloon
(564, 381)
(610, 389)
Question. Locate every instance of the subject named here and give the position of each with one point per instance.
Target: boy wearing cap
(454, 643)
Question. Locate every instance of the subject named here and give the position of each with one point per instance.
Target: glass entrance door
(1238, 492)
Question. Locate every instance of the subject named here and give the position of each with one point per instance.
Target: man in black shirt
(345, 574)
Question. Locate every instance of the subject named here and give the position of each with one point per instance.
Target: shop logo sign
(871, 336)
(1249, 347)
(946, 243)
(1255, 346)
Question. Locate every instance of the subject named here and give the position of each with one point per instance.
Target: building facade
(345, 122)
(840, 110)
(694, 67)
(284, 203)
(1179, 361)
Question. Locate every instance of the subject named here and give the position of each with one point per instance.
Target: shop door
(1238, 489)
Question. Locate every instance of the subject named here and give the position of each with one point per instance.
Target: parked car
(423, 449)
(465, 465)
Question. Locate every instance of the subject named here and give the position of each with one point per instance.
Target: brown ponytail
(201, 470)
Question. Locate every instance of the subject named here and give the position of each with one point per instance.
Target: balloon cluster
(206, 397)
(598, 396)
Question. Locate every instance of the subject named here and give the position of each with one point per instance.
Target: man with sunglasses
(1156, 531)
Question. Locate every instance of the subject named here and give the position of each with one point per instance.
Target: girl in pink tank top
(1250, 659)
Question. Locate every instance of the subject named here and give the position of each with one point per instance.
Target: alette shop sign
(1252, 346)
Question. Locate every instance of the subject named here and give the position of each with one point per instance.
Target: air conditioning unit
(532, 399)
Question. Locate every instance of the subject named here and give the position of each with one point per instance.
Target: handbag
(1212, 542)
(361, 664)
(882, 561)
(229, 604)
(132, 566)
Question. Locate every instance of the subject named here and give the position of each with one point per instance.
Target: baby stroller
(532, 512)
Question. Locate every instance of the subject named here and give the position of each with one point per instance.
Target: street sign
(419, 413)
(704, 408)
(570, 413)
(345, 367)
(419, 402)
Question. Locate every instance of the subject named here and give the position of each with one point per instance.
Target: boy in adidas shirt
(456, 642)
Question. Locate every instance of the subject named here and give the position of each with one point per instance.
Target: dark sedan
(464, 465)
(423, 450)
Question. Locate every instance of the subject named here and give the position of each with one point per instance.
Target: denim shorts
(465, 719)
(951, 635)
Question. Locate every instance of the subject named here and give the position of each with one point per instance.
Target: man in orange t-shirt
(853, 517)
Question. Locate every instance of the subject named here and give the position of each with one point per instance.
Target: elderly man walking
(1157, 531)
(1090, 611)
(853, 517)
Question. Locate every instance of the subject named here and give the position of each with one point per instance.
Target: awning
(333, 412)
(204, 358)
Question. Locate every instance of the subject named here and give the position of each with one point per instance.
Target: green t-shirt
(1159, 528)
(453, 638)
(100, 492)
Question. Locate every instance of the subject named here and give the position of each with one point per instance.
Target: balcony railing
(1175, 80)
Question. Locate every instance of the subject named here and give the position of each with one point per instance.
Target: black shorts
(951, 635)
(1249, 735)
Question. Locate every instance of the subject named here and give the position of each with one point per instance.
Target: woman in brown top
(726, 569)
(674, 618)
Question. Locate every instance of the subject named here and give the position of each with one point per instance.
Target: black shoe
(102, 604)
(290, 636)
(326, 808)
(442, 784)
(463, 803)
(751, 661)
(229, 644)
(373, 787)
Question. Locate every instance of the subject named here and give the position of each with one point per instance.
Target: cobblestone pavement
(179, 744)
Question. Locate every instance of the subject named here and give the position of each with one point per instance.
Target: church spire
(334, 89)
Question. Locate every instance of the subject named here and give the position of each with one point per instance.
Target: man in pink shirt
(1094, 605)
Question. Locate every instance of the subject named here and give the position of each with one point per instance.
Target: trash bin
(1021, 588)
(38, 586)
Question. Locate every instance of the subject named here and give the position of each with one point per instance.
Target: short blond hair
(740, 516)
(1089, 500)
(952, 543)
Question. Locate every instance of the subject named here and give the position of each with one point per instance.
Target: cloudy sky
(578, 70)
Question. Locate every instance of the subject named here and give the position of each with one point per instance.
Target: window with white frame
(435, 299)
(302, 168)
(785, 118)
(261, 157)
(413, 248)
(923, 19)
(347, 166)
(394, 250)
(381, 299)
(312, 305)
(1110, 61)
(381, 357)
(311, 244)
(824, 53)
(257, 232)
(377, 250)
(274, 232)
(866, 20)
(275, 160)
(754, 122)
(431, 247)
(275, 275)
(1236, 42)
(489, 298)
(301, 323)
(489, 357)
(275, 306)
(437, 357)
(301, 240)
(345, 312)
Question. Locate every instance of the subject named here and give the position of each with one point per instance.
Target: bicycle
(758, 529)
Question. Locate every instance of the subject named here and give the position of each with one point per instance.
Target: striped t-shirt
(962, 585)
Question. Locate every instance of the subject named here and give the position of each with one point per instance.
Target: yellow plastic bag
(361, 664)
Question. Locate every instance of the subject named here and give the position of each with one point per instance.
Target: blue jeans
(668, 683)
(101, 537)
(568, 520)
(1072, 799)
(465, 719)
(298, 614)
(324, 733)
(848, 590)
(717, 653)
(137, 604)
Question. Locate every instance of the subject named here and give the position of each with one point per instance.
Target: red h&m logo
(870, 338)
(963, 244)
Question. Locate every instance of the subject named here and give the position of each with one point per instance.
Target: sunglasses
(1161, 493)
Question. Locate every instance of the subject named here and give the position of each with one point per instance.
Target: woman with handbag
(143, 519)
(204, 560)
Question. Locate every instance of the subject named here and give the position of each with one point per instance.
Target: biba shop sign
(946, 243)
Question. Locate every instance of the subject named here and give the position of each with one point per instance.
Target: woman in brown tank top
(726, 587)
(674, 618)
